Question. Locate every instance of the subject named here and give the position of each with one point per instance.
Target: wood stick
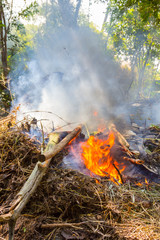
(66, 224)
(32, 183)
(34, 179)
(121, 139)
(12, 224)
(53, 225)
(58, 147)
(135, 161)
(5, 217)
(119, 173)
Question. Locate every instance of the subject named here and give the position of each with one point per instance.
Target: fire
(101, 129)
(139, 184)
(95, 113)
(96, 154)
(146, 182)
(107, 154)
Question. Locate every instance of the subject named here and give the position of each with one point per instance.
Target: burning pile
(96, 154)
(97, 157)
(106, 155)
(71, 205)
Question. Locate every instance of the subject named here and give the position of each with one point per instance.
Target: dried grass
(77, 206)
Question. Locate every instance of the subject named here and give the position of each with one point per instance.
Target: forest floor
(70, 205)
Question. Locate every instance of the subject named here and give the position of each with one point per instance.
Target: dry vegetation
(70, 205)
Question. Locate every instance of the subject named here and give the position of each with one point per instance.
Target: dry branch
(32, 183)
(135, 161)
(66, 224)
(63, 224)
(57, 148)
(120, 139)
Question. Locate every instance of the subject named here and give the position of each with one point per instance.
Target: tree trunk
(4, 65)
(3, 44)
(77, 11)
(66, 10)
(105, 17)
(109, 23)
(141, 74)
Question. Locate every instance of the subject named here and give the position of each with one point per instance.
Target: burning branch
(119, 136)
(135, 161)
(32, 183)
(120, 175)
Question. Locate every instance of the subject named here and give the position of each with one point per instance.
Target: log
(32, 183)
(120, 139)
(54, 138)
(58, 147)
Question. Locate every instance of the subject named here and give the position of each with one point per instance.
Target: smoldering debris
(69, 204)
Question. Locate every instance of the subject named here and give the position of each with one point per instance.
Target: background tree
(10, 25)
(148, 10)
(133, 39)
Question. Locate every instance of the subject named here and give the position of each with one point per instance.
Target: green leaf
(2, 25)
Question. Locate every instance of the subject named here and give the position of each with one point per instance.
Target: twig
(32, 183)
(43, 145)
(118, 173)
(49, 113)
(87, 130)
(65, 224)
(135, 161)
(121, 139)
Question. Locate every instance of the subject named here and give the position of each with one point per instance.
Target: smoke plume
(72, 76)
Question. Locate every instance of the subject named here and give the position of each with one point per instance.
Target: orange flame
(146, 182)
(95, 113)
(139, 184)
(101, 129)
(97, 157)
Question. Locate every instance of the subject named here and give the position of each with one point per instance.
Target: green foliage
(29, 11)
(5, 98)
(20, 55)
(134, 39)
(155, 127)
(149, 10)
(13, 37)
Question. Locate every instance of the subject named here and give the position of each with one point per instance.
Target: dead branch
(65, 224)
(53, 225)
(120, 175)
(58, 147)
(32, 183)
(5, 217)
(120, 139)
(135, 161)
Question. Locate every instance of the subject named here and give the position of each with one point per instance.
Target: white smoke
(71, 76)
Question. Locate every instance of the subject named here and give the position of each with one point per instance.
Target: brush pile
(70, 205)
